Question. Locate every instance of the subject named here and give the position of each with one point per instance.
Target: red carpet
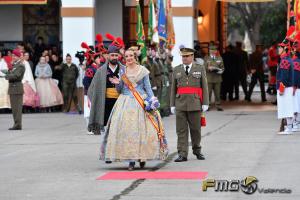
(152, 175)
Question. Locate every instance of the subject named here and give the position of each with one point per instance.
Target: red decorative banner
(23, 2)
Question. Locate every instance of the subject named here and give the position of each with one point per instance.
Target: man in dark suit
(243, 68)
(257, 71)
(15, 88)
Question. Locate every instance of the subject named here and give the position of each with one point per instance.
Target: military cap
(186, 51)
(212, 47)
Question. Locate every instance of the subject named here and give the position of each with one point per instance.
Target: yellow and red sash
(158, 126)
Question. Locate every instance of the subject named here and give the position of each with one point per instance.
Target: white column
(184, 27)
(77, 27)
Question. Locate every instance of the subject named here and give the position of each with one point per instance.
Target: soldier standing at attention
(15, 88)
(214, 68)
(189, 97)
(69, 77)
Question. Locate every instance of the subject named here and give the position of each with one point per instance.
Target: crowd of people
(125, 96)
(241, 69)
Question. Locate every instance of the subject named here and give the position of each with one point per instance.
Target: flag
(162, 31)
(170, 26)
(152, 27)
(140, 35)
(297, 14)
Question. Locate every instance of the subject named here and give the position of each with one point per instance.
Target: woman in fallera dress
(4, 97)
(130, 134)
(30, 97)
(46, 87)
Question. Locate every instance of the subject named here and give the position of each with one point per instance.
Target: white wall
(183, 3)
(11, 23)
(109, 17)
(187, 24)
(77, 29)
(78, 3)
(185, 37)
(72, 36)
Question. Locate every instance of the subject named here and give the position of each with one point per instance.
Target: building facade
(69, 22)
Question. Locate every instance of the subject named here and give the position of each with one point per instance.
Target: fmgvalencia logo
(248, 186)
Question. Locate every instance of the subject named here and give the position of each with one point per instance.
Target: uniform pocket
(196, 96)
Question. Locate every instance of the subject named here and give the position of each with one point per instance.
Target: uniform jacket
(89, 75)
(285, 72)
(15, 77)
(195, 78)
(296, 64)
(69, 74)
(213, 76)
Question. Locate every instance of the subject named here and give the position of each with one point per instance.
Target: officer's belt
(191, 90)
(112, 93)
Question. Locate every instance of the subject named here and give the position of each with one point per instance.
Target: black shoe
(108, 162)
(220, 109)
(131, 166)
(15, 128)
(142, 165)
(200, 156)
(180, 159)
(263, 100)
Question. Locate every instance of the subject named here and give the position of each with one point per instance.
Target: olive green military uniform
(16, 91)
(69, 77)
(214, 77)
(150, 66)
(188, 106)
(158, 79)
(165, 96)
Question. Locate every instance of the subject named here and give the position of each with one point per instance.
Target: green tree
(273, 28)
(264, 22)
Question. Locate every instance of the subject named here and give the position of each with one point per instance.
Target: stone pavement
(54, 158)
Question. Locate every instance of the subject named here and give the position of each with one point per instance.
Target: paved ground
(53, 158)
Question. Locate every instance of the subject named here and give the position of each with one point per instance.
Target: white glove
(154, 88)
(204, 108)
(173, 110)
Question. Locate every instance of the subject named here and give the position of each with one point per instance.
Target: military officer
(149, 64)
(15, 88)
(189, 97)
(214, 68)
(157, 75)
(165, 97)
